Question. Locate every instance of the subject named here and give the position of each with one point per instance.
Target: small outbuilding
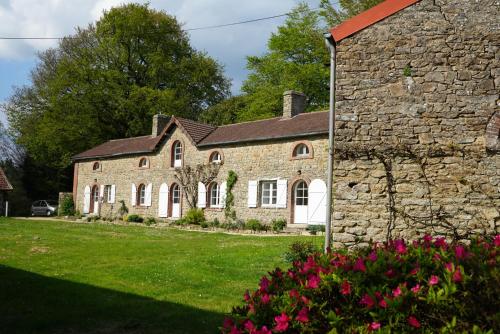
(5, 187)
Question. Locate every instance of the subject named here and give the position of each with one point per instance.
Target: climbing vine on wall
(229, 212)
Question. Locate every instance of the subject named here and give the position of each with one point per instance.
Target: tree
(106, 82)
(297, 58)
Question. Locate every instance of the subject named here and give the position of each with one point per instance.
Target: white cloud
(230, 45)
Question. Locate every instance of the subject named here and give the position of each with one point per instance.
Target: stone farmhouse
(416, 136)
(5, 187)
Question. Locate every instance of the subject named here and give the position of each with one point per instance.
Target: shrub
(194, 217)
(300, 251)
(314, 229)
(179, 222)
(204, 224)
(67, 206)
(254, 225)
(133, 218)
(428, 286)
(122, 210)
(278, 224)
(149, 221)
(214, 223)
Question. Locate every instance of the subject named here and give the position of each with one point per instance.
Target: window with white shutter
(282, 194)
(252, 194)
(202, 195)
(149, 193)
(133, 195)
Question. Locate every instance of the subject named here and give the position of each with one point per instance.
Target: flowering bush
(424, 287)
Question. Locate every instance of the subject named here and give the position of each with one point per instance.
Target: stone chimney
(159, 123)
(294, 103)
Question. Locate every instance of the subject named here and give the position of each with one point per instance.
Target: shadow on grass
(31, 303)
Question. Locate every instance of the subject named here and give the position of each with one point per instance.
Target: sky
(56, 18)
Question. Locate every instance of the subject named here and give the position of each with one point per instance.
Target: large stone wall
(427, 78)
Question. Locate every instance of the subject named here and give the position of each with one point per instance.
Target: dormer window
(176, 154)
(144, 163)
(216, 157)
(302, 151)
(96, 167)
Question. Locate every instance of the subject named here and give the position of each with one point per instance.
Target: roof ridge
(128, 138)
(246, 122)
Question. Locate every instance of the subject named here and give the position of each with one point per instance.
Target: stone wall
(424, 80)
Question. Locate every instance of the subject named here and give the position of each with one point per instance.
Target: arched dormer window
(302, 150)
(216, 157)
(141, 194)
(96, 166)
(214, 195)
(176, 154)
(144, 163)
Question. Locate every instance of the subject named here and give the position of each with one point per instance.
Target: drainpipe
(330, 43)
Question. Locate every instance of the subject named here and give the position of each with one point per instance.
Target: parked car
(44, 208)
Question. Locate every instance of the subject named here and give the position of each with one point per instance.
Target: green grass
(58, 277)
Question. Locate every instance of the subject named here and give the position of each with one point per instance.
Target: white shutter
(223, 187)
(316, 209)
(86, 200)
(282, 192)
(149, 190)
(101, 193)
(252, 194)
(133, 195)
(113, 193)
(163, 201)
(202, 195)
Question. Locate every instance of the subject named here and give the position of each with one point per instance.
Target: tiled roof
(369, 17)
(4, 182)
(206, 135)
(274, 128)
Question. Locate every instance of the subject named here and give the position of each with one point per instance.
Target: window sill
(214, 209)
(307, 157)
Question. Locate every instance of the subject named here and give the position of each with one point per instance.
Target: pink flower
(367, 300)
(264, 330)
(436, 257)
(460, 252)
(228, 323)
(373, 326)
(496, 240)
(415, 271)
(416, 289)
(396, 292)
(382, 303)
(427, 238)
(359, 265)
(433, 280)
(390, 273)
(457, 276)
(449, 266)
(400, 246)
(294, 293)
(235, 330)
(413, 321)
(373, 256)
(345, 288)
(304, 299)
(264, 284)
(249, 326)
(302, 316)
(265, 298)
(313, 282)
(309, 264)
(281, 322)
(441, 243)
(246, 296)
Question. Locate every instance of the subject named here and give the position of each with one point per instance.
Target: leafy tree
(106, 81)
(225, 112)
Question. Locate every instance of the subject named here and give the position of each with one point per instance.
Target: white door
(176, 201)
(317, 202)
(301, 199)
(86, 200)
(95, 199)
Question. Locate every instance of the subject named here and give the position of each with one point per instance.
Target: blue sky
(49, 18)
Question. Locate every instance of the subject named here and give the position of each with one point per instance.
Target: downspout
(330, 43)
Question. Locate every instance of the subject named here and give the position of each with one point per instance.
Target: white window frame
(216, 203)
(302, 150)
(272, 199)
(142, 194)
(218, 155)
(107, 193)
(146, 163)
(176, 194)
(177, 151)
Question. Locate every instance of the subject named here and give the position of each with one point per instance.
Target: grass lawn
(59, 277)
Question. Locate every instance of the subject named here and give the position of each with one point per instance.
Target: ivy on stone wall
(229, 212)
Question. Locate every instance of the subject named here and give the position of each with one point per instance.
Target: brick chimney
(294, 103)
(159, 123)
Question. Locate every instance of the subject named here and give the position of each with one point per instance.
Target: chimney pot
(294, 103)
(159, 123)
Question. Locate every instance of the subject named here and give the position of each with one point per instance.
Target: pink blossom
(309, 264)
(396, 292)
(345, 288)
(294, 293)
(382, 303)
(235, 330)
(246, 296)
(228, 323)
(281, 322)
(433, 280)
(416, 289)
(400, 246)
(436, 257)
(373, 256)
(313, 282)
(460, 252)
(264, 330)
(249, 326)
(304, 299)
(415, 271)
(367, 300)
(359, 265)
(413, 321)
(457, 276)
(264, 284)
(265, 298)
(373, 326)
(302, 316)
(449, 266)
(390, 273)
(441, 243)
(496, 240)
(427, 238)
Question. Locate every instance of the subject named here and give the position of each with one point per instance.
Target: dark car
(44, 208)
